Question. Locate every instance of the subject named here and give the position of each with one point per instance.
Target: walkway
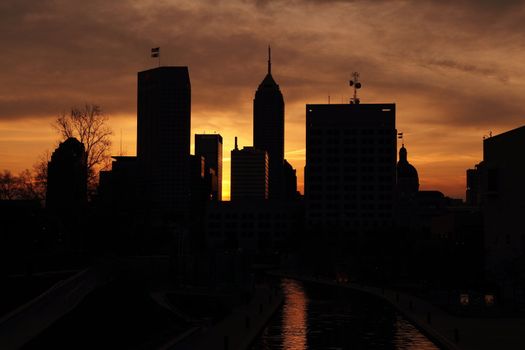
(238, 330)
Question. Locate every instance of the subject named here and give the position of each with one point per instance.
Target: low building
(257, 227)
(249, 174)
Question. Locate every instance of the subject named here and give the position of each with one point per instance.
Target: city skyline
(454, 81)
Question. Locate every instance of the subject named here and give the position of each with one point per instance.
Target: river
(317, 317)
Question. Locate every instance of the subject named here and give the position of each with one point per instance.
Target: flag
(155, 52)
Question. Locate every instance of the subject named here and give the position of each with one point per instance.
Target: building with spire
(268, 129)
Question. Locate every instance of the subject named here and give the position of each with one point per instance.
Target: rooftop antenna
(357, 85)
(269, 60)
(236, 148)
(400, 136)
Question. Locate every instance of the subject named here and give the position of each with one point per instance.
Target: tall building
(350, 172)
(209, 146)
(268, 128)
(249, 174)
(67, 178)
(163, 138)
(501, 194)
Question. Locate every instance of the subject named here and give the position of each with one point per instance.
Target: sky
(454, 68)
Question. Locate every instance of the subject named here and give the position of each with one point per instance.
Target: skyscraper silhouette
(163, 137)
(249, 174)
(268, 128)
(209, 146)
(350, 170)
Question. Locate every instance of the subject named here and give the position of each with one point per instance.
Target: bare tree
(8, 185)
(24, 186)
(39, 174)
(90, 126)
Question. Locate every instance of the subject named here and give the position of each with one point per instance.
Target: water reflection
(320, 317)
(407, 337)
(294, 328)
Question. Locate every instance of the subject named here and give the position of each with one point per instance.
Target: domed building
(407, 177)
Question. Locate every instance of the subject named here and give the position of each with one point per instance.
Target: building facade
(268, 129)
(249, 174)
(209, 146)
(163, 138)
(501, 192)
(350, 172)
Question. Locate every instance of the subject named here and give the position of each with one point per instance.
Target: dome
(407, 177)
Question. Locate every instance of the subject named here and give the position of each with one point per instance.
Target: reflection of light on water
(294, 316)
(407, 337)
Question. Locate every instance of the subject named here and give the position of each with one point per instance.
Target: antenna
(269, 60)
(400, 136)
(357, 85)
(236, 143)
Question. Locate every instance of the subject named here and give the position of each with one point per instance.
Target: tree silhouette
(25, 186)
(89, 125)
(8, 185)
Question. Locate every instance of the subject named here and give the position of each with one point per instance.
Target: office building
(163, 138)
(249, 174)
(501, 193)
(118, 187)
(259, 227)
(209, 146)
(268, 129)
(350, 172)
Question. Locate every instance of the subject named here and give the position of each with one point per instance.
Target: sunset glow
(454, 75)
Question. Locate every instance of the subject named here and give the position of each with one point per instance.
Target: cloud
(446, 64)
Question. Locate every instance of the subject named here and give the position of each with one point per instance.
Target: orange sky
(454, 69)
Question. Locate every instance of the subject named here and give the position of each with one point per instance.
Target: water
(327, 318)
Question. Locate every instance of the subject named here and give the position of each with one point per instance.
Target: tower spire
(269, 60)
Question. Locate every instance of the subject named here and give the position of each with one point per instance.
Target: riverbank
(237, 330)
(447, 331)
